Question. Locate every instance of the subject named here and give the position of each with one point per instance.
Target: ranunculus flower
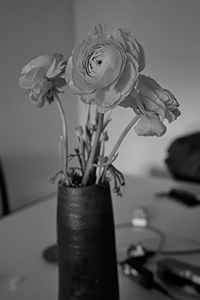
(43, 76)
(104, 67)
(154, 104)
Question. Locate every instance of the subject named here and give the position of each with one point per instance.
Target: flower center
(97, 61)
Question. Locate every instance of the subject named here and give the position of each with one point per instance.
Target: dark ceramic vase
(86, 244)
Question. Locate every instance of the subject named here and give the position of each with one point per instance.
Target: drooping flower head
(154, 104)
(43, 76)
(104, 67)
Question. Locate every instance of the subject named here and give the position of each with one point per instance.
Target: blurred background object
(4, 198)
(183, 159)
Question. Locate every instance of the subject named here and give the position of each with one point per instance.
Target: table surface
(25, 275)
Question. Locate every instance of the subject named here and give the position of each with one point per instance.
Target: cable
(162, 236)
(161, 242)
(148, 227)
(159, 250)
(180, 252)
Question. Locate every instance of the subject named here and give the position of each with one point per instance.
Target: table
(25, 275)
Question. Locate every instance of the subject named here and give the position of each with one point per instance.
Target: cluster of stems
(96, 161)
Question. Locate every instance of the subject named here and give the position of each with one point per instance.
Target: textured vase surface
(86, 244)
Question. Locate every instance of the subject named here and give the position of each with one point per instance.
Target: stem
(101, 155)
(94, 148)
(120, 140)
(82, 153)
(65, 133)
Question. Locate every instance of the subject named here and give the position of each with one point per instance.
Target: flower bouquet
(104, 71)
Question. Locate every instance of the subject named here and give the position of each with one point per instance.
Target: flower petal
(37, 74)
(38, 93)
(107, 97)
(73, 88)
(57, 67)
(142, 59)
(41, 61)
(108, 31)
(68, 70)
(134, 47)
(127, 80)
(172, 115)
(130, 101)
(26, 83)
(150, 125)
(158, 106)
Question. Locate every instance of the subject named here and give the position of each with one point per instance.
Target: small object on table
(139, 253)
(140, 218)
(137, 273)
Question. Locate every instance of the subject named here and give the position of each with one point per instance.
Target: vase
(86, 244)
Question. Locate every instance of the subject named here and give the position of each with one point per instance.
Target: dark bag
(183, 159)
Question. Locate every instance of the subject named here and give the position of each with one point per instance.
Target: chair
(4, 201)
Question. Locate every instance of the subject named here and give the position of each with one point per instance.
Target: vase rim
(63, 185)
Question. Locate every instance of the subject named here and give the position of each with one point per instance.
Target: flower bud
(79, 131)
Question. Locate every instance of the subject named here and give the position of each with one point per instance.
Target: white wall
(169, 33)
(29, 136)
